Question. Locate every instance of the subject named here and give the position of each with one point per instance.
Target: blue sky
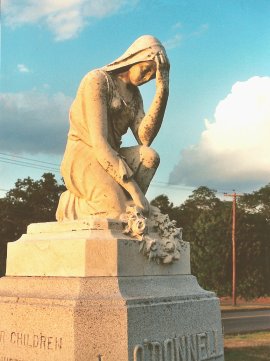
(217, 123)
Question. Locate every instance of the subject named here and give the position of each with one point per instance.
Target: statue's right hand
(141, 202)
(163, 69)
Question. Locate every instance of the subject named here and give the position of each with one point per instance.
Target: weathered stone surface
(101, 176)
(108, 319)
(93, 296)
(84, 248)
(101, 300)
(80, 290)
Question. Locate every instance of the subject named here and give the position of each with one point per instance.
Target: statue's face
(142, 72)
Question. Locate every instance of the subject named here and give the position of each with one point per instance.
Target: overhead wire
(22, 161)
(31, 159)
(27, 164)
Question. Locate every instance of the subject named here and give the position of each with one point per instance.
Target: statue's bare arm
(146, 126)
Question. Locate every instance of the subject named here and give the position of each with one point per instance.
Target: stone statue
(103, 178)
(120, 277)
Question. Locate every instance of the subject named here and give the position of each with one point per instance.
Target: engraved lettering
(13, 337)
(58, 343)
(147, 345)
(156, 351)
(191, 347)
(180, 348)
(215, 333)
(197, 347)
(2, 336)
(50, 343)
(169, 350)
(35, 341)
(19, 337)
(201, 345)
(42, 341)
(27, 341)
(211, 344)
(138, 353)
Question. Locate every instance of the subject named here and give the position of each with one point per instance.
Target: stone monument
(110, 280)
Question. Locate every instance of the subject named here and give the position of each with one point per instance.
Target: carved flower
(166, 246)
(168, 259)
(151, 244)
(169, 246)
(138, 226)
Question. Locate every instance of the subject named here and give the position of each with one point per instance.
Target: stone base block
(150, 318)
(96, 247)
(81, 291)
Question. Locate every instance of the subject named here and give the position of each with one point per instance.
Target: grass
(248, 347)
(259, 353)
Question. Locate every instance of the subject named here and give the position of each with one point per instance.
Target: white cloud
(173, 42)
(22, 68)
(234, 150)
(200, 31)
(65, 18)
(176, 40)
(34, 122)
(177, 25)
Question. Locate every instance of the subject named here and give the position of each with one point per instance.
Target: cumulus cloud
(23, 68)
(177, 25)
(33, 122)
(234, 150)
(176, 40)
(65, 18)
(173, 42)
(200, 31)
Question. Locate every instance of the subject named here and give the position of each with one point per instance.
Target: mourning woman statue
(103, 178)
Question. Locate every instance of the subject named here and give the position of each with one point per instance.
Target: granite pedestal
(81, 291)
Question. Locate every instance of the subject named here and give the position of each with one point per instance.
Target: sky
(217, 123)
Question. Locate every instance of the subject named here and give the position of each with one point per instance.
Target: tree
(166, 207)
(205, 219)
(253, 234)
(28, 202)
(163, 203)
(206, 222)
(257, 202)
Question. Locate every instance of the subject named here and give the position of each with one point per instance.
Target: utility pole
(234, 195)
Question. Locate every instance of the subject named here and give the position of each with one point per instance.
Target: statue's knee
(149, 157)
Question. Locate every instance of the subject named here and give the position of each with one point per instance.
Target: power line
(171, 186)
(26, 164)
(39, 164)
(161, 184)
(31, 159)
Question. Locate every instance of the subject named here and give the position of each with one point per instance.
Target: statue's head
(143, 50)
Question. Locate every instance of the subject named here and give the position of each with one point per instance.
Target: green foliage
(28, 202)
(206, 222)
(253, 243)
(166, 207)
